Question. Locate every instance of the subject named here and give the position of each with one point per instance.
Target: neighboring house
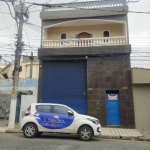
(141, 95)
(2, 66)
(26, 68)
(27, 88)
(85, 60)
(6, 72)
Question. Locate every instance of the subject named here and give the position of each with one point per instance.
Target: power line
(9, 10)
(5, 21)
(7, 27)
(43, 3)
(53, 31)
(39, 30)
(54, 5)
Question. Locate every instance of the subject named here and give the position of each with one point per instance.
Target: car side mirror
(70, 113)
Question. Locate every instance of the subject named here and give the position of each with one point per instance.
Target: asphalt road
(13, 141)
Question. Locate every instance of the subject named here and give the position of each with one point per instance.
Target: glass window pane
(61, 110)
(43, 108)
(63, 36)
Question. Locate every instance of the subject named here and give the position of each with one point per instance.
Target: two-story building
(85, 60)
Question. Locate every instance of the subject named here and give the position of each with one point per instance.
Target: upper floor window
(63, 36)
(105, 34)
(83, 35)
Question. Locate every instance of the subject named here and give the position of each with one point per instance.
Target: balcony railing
(86, 42)
(86, 5)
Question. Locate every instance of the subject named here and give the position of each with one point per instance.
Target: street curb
(140, 138)
(101, 136)
(13, 131)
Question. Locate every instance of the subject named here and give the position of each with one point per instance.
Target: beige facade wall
(2, 66)
(26, 71)
(141, 94)
(140, 76)
(25, 74)
(115, 29)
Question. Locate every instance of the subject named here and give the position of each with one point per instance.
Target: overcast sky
(139, 31)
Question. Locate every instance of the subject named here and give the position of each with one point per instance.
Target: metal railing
(85, 42)
(86, 5)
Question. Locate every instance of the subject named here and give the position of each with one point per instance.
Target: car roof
(47, 104)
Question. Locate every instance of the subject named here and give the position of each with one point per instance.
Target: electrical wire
(5, 13)
(53, 31)
(5, 21)
(27, 37)
(7, 27)
(9, 10)
(38, 30)
(43, 3)
(16, 18)
(53, 5)
(7, 61)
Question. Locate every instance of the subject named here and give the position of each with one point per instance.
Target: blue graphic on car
(54, 121)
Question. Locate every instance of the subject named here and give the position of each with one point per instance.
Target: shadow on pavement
(60, 137)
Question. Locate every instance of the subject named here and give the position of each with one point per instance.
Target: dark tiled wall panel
(110, 73)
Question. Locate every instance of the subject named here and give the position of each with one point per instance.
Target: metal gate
(113, 108)
(18, 105)
(65, 82)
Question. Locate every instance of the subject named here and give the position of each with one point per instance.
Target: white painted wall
(26, 101)
(24, 85)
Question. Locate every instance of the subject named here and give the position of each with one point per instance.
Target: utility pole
(31, 65)
(12, 114)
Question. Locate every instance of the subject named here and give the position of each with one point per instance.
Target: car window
(61, 110)
(43, 108)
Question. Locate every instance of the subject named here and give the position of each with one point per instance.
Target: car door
(62, 121)
(42, 116)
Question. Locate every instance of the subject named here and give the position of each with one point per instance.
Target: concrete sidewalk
(109, 133)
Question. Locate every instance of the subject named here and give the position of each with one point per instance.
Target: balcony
(85, 42)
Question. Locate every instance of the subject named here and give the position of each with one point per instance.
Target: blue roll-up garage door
(65, 82)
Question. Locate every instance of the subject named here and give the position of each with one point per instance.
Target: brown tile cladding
(110, 74)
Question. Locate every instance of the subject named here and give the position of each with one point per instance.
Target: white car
(49, 117)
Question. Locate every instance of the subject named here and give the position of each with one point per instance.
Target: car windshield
(73, 110)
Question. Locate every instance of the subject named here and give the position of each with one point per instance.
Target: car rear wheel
(85, 133)
(30, 130)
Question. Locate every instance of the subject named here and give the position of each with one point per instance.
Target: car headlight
(94, 121)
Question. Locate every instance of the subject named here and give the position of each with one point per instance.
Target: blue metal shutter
(65, 82)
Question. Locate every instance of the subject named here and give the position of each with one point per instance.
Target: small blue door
(113, 108)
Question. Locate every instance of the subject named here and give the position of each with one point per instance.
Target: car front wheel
(85, 133)
(30, 130)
